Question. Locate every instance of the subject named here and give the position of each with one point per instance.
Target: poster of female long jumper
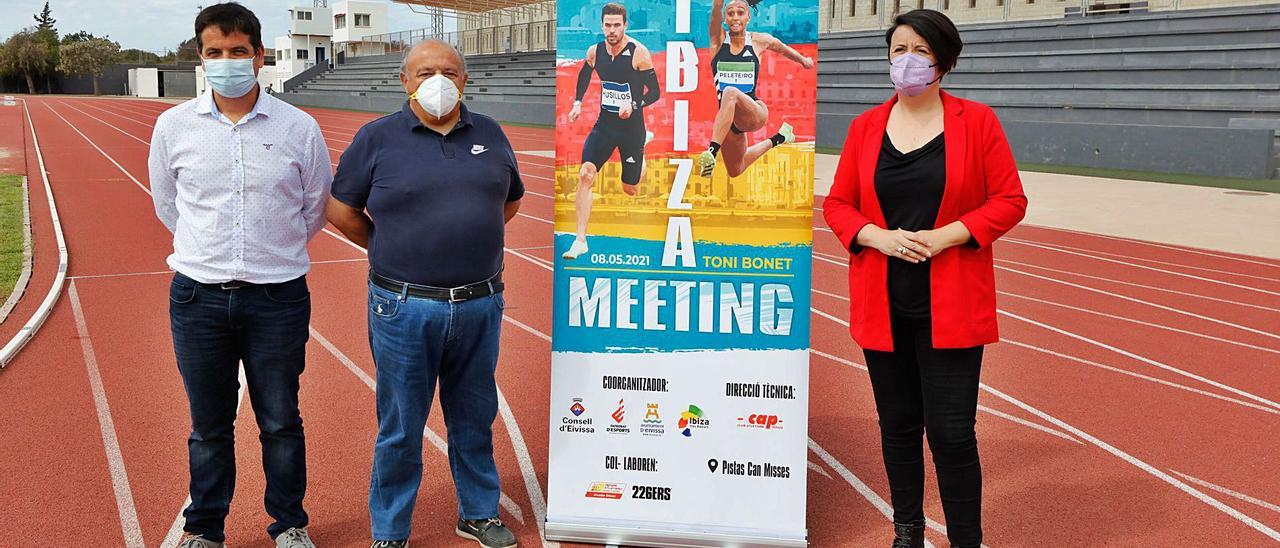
(684, 193)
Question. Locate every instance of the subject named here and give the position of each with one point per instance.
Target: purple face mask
(912, 74)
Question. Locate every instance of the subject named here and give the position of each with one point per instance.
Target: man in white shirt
(241, 179)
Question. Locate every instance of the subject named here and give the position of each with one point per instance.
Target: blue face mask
(231, 78)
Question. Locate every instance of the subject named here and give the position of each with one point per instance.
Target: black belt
(451, 294)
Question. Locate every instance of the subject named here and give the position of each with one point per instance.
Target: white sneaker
(294, 538)
(191, 540)
(578, 248)
(787, 133)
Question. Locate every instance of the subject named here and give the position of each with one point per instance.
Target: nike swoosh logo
(478, 149)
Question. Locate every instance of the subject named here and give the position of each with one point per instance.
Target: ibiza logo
(692, 419)
(577, 409)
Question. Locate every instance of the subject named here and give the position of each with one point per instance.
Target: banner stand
(683, 246)
(622, 535)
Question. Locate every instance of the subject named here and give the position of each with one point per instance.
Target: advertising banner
(683, 239)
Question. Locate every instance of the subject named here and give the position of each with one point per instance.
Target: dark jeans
(265, 327)
(922, 391)
(418, 344)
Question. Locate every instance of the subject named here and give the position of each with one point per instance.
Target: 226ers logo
(766, 422)
(647, 492)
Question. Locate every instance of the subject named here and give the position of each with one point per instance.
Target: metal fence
(520, 37)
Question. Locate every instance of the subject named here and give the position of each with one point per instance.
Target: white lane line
(1100, 344)
(175, 530)
(1228, 492)
(73, 107)
(100, 151)
(1144, 267)
(1141, 465)
(1143, 377)
(819, 469)
(104, 122)
(1132, 284)
(981, 408)
(1170, 247)
(1140, 322)
(314, 333)
(128, 513)
(1144, 359)
(440, 444)
(534, 489)
(862, 488)
(1125, 457)
(1148, 303)
(1143, 259)
(37, 319)
(539, 219)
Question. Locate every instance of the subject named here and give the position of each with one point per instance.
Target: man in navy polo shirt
(441, 182)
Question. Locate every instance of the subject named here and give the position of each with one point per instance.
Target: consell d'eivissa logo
(576, 424)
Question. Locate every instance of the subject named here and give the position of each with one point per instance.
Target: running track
(1133, 402)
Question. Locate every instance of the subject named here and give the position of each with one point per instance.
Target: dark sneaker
(490, 533)
(390, 544)
(190, 540)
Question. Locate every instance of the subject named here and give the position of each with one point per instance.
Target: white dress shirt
(241, 199)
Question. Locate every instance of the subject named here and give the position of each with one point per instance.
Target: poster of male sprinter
(684, 193)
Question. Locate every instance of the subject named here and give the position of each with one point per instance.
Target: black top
(909, 187)
(619, 80)
(436, 200)
(737, 70)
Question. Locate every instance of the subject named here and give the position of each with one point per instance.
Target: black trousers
(922, 392)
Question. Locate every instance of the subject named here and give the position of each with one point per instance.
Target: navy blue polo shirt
(436, 200)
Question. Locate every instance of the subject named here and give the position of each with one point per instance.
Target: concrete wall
(144, 82)
(1225, 152)
(179, 83)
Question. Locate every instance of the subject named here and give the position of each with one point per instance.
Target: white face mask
(437, 95)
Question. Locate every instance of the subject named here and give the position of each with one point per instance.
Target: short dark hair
(230, 17)
(936, 29)
(614, 8)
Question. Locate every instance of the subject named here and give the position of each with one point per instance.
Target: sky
(156, 25)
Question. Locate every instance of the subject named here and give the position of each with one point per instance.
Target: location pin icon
(711, 464)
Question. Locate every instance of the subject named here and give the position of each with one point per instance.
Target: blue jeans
(414, 342)
(266, 328)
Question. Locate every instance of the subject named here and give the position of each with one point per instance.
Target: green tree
(88, 57)
(48, 33)
(44, 19)
(81, 36)
(138, 56)
(27, 55)
(187, 50)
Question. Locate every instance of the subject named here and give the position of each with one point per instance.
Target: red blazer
(982, 191)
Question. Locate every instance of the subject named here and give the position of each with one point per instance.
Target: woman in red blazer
(926, 182)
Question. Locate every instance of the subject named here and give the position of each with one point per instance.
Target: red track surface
(1135, 393)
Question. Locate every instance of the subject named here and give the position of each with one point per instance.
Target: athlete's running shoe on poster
(490, 533)
(788, 133)
(707, 163)
(190, 540)
(576, 250)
